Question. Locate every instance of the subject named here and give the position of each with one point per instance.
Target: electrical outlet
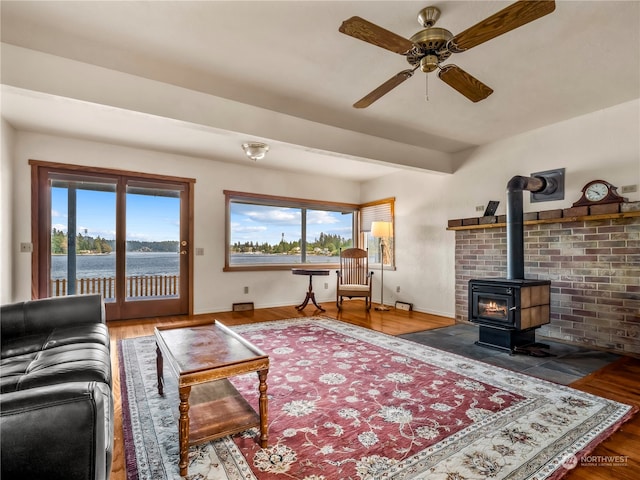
(398, 289)
(628, 188)
(326, 285)
(199, 251)
(246, 290)
(26, 247)
(479, 208)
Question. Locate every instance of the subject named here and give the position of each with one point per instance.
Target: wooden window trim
(277, 200)
(40, 216)
(391, 201)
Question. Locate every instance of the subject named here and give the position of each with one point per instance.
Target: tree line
(326, 244)
(97, 245)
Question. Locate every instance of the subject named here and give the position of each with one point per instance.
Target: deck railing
(136, 286)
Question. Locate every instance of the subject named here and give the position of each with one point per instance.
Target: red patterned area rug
(350, 403)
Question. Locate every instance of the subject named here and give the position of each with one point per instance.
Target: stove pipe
(515, 222)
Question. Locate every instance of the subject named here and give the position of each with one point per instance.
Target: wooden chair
(354, 279)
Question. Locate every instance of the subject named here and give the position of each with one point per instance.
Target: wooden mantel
(500, 221)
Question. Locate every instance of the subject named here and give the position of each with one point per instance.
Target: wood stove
(509, 310)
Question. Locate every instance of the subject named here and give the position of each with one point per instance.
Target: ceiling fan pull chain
(426, 88)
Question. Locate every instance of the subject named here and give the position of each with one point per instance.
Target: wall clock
(598, 192)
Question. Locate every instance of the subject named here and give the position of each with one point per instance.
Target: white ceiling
(288, 56)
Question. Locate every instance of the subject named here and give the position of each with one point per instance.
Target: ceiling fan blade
(366, 31)
(507, 19)
(466, 84)
(383, 89)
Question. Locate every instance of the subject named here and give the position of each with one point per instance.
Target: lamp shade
(382, 229)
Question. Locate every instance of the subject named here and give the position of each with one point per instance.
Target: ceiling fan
(430, 47)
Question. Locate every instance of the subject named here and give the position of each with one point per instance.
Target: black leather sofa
(56, 406)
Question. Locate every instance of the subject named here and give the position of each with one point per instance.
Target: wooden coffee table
(202, 358)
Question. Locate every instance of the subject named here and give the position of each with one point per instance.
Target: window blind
(378, 212)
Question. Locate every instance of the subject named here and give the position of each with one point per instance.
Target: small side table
(310, 295)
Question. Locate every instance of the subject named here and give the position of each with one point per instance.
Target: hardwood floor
(619, 381)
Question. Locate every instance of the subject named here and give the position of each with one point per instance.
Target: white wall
(602, 145)
(215, 290)
(7, 247)
(423, 248)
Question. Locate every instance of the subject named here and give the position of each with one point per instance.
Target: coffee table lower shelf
(217, 409)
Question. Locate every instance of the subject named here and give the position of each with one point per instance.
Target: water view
(160, 263)
(261, 258)
(100, 266)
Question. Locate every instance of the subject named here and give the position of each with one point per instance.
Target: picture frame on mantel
(492, 206)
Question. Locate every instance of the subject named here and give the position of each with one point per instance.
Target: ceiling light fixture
(255, 150)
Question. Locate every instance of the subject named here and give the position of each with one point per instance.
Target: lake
(244, 259)
(101, 266)
(159, 263)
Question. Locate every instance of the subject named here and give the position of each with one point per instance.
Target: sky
(156, 218)
(261, 224)
(149, 218)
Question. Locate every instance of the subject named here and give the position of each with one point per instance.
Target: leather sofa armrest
(57, 432)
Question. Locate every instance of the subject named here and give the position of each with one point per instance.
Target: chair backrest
(354, 263)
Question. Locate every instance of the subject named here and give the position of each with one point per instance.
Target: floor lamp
(382, 230)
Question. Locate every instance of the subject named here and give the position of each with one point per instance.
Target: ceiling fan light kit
(428, 48)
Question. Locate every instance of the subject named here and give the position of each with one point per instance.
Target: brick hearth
(593, 265)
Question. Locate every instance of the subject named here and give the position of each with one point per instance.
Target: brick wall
(594, 268)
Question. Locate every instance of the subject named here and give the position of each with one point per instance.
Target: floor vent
(242, 307)
(407, 307)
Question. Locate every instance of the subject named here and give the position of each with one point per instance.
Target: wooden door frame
(41, 217)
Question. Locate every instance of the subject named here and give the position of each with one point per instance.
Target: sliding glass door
(82, 241)
(124, 237)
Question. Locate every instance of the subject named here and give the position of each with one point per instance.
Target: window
(270, 232)
(266, 232)
(379, 211)
(124, 235)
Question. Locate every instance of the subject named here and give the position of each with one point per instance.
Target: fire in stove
(493, 309)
